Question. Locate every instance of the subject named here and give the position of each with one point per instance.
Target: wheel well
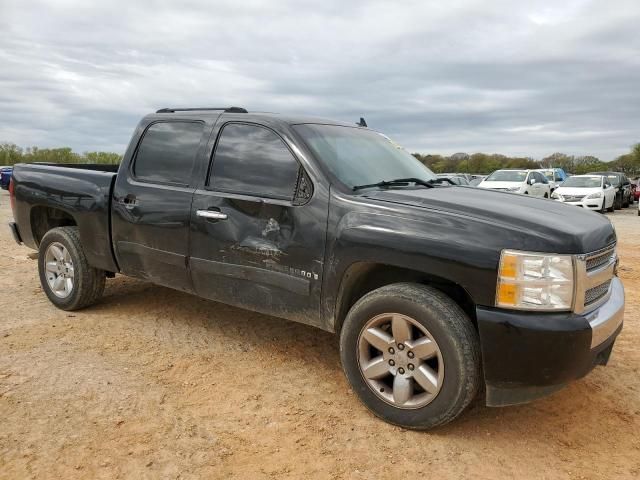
(363, 277)
(44, 219)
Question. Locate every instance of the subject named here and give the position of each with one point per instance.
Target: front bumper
(527, 355)
(591, 204)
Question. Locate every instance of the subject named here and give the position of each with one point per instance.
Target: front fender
(449, 247)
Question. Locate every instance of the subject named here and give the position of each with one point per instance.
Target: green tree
(10, 154)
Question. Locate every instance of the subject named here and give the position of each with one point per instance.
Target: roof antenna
(362, 122)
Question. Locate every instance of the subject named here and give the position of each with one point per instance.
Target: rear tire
(433, 319)
(66, 277)
(617, 203)
(611, 209)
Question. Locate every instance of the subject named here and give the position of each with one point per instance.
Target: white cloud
(518, 78)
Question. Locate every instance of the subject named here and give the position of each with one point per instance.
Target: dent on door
(267, 239)
(258, 242)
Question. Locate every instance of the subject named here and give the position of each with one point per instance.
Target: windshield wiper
(399, 182)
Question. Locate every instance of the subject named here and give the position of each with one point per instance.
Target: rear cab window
(251, 159)
(167, 152)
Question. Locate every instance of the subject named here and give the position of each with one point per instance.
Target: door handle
(211, 214)
(129, 201)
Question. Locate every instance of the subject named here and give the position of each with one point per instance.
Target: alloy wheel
(59, 270)
(400, 361)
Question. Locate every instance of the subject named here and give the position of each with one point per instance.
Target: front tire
(603, 210)
(411, 354)
(66, 277)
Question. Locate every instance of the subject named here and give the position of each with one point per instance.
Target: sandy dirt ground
(153, 383)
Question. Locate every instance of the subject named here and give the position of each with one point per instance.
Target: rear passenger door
(152, 203)
(257, 227)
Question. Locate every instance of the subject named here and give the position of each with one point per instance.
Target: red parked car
(635, 189)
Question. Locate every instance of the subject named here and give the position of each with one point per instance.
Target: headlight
(557, 196)
(513, 189)
(535, 281)
(595, 195)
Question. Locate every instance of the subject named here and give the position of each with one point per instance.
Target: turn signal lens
(508, 266)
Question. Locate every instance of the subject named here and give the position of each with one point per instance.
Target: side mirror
(532, 181)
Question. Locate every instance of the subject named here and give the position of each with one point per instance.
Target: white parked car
(588, 191)
(527, 182)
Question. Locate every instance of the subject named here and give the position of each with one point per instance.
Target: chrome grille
(596, 293)
(594, 273)
(573, 198)
(599, 258)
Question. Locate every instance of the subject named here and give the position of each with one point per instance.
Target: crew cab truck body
(301, 218)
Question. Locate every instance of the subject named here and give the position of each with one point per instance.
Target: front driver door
(257, 229)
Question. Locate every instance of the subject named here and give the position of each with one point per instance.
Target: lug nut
(401, 371)
(410, 366)
(392, 363)
(410, 354)
(401, 346)
(391, 350)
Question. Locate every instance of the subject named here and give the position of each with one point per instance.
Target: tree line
(484, 163)
(10, 154)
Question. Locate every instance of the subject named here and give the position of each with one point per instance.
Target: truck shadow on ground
(202, 324)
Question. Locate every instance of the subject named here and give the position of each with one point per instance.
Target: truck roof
(241, 113)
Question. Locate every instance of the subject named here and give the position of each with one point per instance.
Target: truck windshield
(583, 182)
(359, 157)
(507, 176)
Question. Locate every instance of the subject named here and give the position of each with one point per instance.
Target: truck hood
(526, 222)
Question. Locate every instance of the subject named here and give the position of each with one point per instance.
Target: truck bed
(79, 194)
(96, 167)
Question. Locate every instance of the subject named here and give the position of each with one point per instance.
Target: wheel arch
(43, 218)
(361, 278)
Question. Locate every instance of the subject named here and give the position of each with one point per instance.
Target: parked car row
(599, 191)
(622, 187)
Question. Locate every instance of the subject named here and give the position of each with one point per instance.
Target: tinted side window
(542, 178)
(253, 160)
(167, 152)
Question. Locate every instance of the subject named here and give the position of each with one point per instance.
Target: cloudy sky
(526, 78)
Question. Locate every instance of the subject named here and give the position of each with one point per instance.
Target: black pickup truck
(438, 292)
